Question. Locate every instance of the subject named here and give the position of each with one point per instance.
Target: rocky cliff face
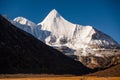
(109, 57)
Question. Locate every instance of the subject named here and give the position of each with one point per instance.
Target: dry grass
(65, 78)
(52, 77)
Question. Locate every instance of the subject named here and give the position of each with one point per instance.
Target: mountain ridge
(73, 39)
(53, 24)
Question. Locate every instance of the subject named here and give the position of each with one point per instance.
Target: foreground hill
(20, 52)
(110, 72)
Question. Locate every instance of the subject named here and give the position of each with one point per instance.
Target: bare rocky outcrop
(100, 58)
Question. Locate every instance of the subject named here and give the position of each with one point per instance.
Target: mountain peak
(54, 11)
(52, 15)
(24, 21)
(20, 19)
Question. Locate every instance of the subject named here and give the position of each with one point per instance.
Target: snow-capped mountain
(71, 39)
(74, 35)
(59, 32)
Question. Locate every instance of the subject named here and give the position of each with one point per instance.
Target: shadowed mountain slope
(20, 52)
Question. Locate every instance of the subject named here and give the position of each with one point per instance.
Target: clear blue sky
(102, 14)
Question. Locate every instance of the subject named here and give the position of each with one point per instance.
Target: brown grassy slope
(113, 71)
(63, 78)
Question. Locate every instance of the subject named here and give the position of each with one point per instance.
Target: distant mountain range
(83, 43)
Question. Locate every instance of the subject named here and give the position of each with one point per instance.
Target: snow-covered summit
(52, 15)
(28, 26)
(72, 35)
(57, 25)
(24, 21)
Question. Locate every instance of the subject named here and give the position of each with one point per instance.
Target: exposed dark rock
(105, 61)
